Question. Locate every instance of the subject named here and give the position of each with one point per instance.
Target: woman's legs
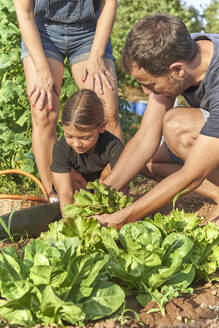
(109, 98)
(44, 122)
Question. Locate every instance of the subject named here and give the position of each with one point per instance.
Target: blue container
(131, 106)
(140, 107)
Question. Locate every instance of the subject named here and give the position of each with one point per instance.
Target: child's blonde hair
(84, 110)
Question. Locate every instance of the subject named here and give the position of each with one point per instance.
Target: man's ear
(177, 69)
(103, 126)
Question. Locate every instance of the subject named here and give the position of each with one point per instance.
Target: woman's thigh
(57, 70)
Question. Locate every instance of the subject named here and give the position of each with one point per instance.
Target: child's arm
(78, 181)
(106, 171)
(115, 148)
(66, 184)
(64, 188)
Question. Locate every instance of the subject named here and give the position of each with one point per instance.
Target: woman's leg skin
(44, 122)
(109, 98)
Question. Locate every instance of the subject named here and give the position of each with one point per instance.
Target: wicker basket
(9, 203)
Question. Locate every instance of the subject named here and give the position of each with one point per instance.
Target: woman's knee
(111, 113)
(44, 120)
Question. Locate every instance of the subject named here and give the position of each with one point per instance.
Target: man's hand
(107, 220)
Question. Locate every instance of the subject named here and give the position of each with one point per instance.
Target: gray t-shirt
(206, 94)
(91, 164)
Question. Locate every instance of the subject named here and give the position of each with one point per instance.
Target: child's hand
(78, 181)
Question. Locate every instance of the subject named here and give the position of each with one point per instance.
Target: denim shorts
(172, 156)
(73, 41)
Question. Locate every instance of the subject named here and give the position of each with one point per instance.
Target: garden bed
(198, 310)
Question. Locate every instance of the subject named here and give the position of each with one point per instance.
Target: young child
(87, 151)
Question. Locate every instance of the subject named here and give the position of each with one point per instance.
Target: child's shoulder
(109, 137)
(61, 144)
(108, 141)
(61, 140)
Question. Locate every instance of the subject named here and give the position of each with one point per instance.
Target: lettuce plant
(68, 274)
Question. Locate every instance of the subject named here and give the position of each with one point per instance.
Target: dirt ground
(191, 202)
(197, 310)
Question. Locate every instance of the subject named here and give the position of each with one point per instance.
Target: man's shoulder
(201, 35)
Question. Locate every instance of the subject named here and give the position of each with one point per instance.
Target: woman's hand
(98, 74)
(43, 89)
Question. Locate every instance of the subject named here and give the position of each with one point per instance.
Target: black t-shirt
(91, 164)
(206, 94)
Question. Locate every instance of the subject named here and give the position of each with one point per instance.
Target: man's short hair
(157, 41)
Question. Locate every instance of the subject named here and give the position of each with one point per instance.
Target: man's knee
(172, 124)
(178, 130)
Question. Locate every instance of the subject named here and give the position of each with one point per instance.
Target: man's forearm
(131, 161)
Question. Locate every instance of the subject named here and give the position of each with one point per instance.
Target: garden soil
(197, 310)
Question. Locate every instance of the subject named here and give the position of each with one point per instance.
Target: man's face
(166, 85)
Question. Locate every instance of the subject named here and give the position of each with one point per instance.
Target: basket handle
(31, 176)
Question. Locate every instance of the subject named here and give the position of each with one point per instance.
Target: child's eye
(68, 136)
(85, 138)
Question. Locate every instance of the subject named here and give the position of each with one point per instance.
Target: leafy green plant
(157, 259)
(124, 316)
(68, 274)
(16, 126)
(103, 200)
(7, 228)
(55, 284)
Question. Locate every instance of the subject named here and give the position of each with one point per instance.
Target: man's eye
(68, 137)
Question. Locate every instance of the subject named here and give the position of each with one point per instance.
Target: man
(167, 61)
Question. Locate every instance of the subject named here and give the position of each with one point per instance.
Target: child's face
(81, 141)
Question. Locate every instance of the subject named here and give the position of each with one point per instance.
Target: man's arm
(140, 149)
(200, 163)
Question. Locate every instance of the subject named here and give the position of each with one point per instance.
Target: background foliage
(15, 126)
